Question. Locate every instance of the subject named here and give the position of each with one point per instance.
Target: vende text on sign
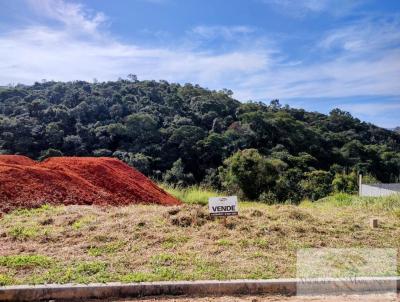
(223, 206)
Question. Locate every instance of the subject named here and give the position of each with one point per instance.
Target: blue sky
(314, 54)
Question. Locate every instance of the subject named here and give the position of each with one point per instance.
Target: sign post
(223, 207)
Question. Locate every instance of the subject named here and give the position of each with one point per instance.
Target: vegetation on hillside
(186, 135)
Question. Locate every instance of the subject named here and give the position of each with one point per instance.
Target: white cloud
(309, 5)
(73, 15)
(384, 112)
(226, 32)
(365, 36)
(341, 77)
(300, 8)
(372, 109)
(156, 1)
(80, 50)
(357, 59)
(39, 52)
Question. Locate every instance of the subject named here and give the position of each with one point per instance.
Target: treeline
(185, 134)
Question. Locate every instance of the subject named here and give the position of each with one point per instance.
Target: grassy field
(191, 195)
(85, 244)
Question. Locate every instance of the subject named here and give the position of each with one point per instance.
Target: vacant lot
(146, 243)
(351, 298)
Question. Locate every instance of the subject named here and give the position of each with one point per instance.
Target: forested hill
(183, 134)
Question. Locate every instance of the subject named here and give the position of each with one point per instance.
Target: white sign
(223, 206)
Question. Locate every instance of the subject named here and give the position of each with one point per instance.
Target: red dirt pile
(25, 183)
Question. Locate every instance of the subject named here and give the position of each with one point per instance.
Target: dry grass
(144, 243)
(269, 298)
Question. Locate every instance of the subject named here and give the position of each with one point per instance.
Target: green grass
(20, 232)
(91, 268)
(46, 208)
(31, 212)
(136, 277)
(82, 222)
(25, 261)
(200, 195)
(192, 195)
(108, 248)
(224, 242)
(175, 241)
(83, 272)
(388, 203)
(6, 280)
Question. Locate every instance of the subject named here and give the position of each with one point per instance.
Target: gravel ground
(352, 298)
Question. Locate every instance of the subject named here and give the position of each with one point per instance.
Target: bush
(50, 153)
(212, 179)
(251, 172)
(102, 153)
(268, 198)
(345, 183)
(140, 162)
(369, 179)
(317, 184)
(177, 176)
(288, 186)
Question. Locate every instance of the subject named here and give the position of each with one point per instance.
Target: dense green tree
(288, 186)
(251, 172)
(316, 184)
(141, 162)
(177, 176)
(151, 125)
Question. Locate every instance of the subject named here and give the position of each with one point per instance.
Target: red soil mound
(16, 160)
(74, 180)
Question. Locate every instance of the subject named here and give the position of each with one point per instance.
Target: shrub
(251, 172)
(268, 198)
(50, 153)
(177, 176)
(317, 184)
(345, 183)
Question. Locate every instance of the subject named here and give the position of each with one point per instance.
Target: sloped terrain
(25, 183)
(86, 244)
